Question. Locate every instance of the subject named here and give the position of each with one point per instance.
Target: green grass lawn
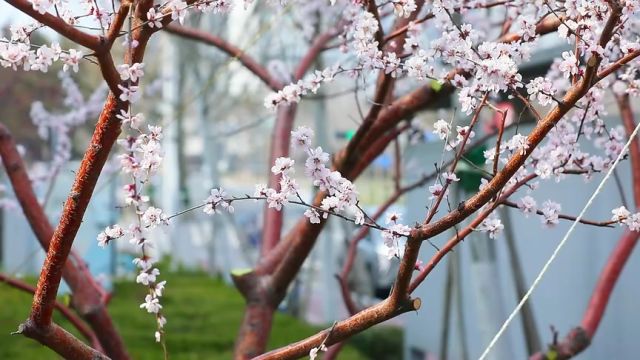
(203, 318)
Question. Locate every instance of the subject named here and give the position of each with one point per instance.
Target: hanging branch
(89, 298)
(39, 326)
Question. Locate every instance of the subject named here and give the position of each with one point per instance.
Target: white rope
(557, 249)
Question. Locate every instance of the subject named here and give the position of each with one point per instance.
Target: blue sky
(8, 12)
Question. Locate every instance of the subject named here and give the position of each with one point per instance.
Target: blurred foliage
(380, 343)
(469, 170)
(203, 317)
(19, 89)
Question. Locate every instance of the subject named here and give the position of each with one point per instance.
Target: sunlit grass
(203, 318)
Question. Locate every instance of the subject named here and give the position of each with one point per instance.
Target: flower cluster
(148, 277)
(391, 235)
(404, 8)
(143, 153)
(492, 225)
(527, 205)
(550, 211)
(292, 93)
(625, 217)
(110, 233)
(57, 126)
(542, 89)
(140, 161)
(442, 129)
(18, 54)
(341, 193)
(217, 201)
(462, 53)
(17, 51)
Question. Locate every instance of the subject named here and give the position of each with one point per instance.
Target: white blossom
(153, 217)
(620, 214)
(217, 201)
(436, 191)
(550, 211)
(283, 165)
(154, 18)
(527, 205)
(301, 137)
(131, 72)
(519, 144)
(110, 233)
(152, 304)
(312, 215)
(441, 128)
(71, 59)
(146, 277)
(450, 177)
(492, 225)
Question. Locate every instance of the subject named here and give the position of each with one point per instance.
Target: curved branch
(461, 234)
(343, 329)
(117, 23)
(245, 59)
(65, 311)
(105, 135)
(608, 279)
(279, 148)
(536, 136)
(629, 123)
(59, 340)
(580, 337)
(58, 25)
(608, 224)
(313, 52)
(88, 296)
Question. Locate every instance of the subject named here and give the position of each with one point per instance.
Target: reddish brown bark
(65, 311)
(272, 219)
(574, 343)
(608, 279)
(580, 337)
(88, 296)
(87, 293)
(105, 135)
(285, 114)
(462, 234)
(536, 136)
(59, 340)
(283, 260)
(344, 329)
(252, 339)
(427, 231)
(58, 25)
(629, 123)
(39, 325)
(260, 306)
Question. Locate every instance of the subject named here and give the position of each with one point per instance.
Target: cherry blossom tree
(412, 54)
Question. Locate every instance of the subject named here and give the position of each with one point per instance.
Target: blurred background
(217, 133)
